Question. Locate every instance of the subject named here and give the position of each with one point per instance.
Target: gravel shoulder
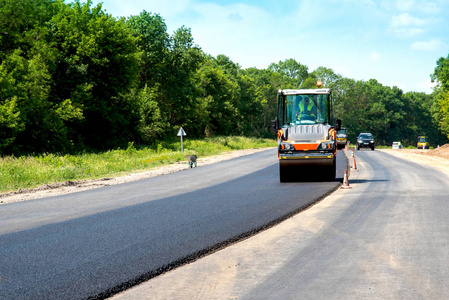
(67, 187)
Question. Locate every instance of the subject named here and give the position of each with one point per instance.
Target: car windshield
(366, 136)
(305, 109)
(342, 131)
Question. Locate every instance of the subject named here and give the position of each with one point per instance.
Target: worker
(306, 108)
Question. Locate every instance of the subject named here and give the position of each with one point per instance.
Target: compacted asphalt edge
(202, 253)
(214, 248)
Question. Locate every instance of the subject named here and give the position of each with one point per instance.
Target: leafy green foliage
(168, 67)
(154, 42)
(98, 66)
(20, 22)
(73, 78)
(386, 112)
(151, 124)
(10, 124)
(292, 72)
(327, 76)
(220, 95)
(441, 105)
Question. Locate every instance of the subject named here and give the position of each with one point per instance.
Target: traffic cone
(345, 181)
(354, 166)
(352, 154)
(346, 147)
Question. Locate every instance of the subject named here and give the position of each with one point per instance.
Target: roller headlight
(286, 146)
(329, 145)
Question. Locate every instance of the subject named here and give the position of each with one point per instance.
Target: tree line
(73, 78)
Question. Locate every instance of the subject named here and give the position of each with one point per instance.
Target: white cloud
(426, 86)
(406, 20)
(431, 7)
(432, 45)
(408, 32)
(235, 17)
(405, 5)
(239, 31)
(405, 25)
(375, 56)
(426, 6)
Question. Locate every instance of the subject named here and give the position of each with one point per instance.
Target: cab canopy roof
(302, 92)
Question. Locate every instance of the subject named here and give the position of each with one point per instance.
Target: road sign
(181, 132)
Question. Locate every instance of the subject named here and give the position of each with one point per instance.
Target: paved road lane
(385, 238)
(83, 244)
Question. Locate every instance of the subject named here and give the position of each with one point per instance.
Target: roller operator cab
(307, 144)
(423, 142)
(342, 138)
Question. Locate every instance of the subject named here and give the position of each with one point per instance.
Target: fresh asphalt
(96, 243)
(386, 237)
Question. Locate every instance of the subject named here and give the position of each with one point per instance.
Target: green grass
(33, 171)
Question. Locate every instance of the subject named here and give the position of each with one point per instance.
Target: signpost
(181, 133)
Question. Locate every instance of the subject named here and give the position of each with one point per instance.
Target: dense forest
(74, 78)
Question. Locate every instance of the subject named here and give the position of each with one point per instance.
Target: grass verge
(27, 172)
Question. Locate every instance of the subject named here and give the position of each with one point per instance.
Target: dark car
(365, 140)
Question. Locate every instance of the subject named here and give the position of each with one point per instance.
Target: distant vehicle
(423, 142)
(365, 140)
(342, 138)
(396, 145)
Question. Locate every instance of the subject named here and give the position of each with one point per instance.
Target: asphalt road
(95, 243)
(385, 238)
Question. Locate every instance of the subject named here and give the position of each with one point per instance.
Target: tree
(266, 83)
(35, 123)
(179, 95)
(10, 123)
(219, 93)
(310, 82)
(293, 72)
(151, 125)
(19, 18)
(154, 41)
(169, 65)
(441, 74)
(350, 105)
(419, 119)
(327, 76)
(97, 67)
(441, 108)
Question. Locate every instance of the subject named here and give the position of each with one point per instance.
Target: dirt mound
(442, 151)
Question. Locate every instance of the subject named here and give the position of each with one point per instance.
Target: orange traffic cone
(352, 153)
(346, 147)
(345, 181)
(354, 166)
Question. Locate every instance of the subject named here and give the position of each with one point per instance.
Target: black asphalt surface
(95, 243)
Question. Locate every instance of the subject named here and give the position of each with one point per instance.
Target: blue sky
(396, 42)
